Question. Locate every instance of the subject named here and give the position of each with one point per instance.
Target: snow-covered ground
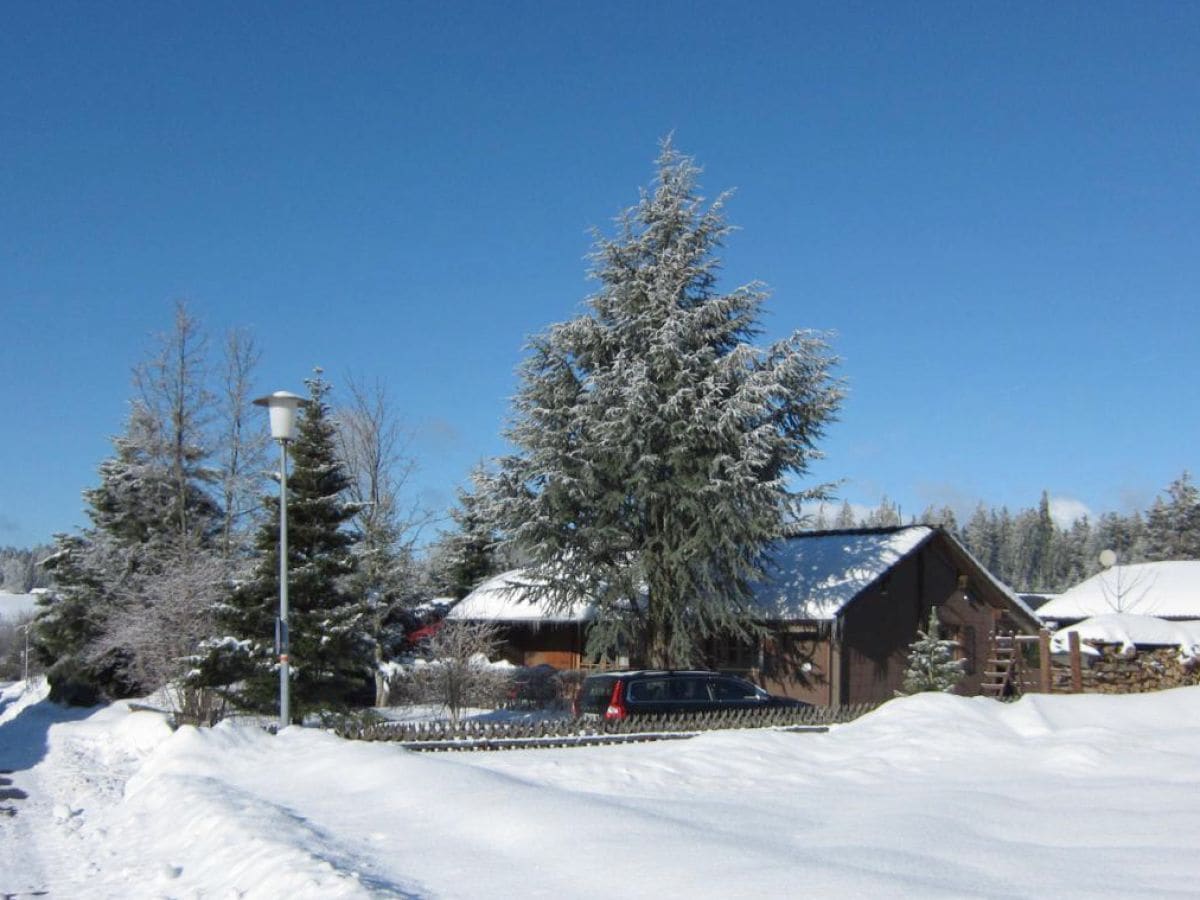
(931, 796)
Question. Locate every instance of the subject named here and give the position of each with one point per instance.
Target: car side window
(734, 689)
(649, 690)
(689, 689)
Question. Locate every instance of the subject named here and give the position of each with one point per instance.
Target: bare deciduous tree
(458, 674)
(242, 440)
(373, 446)
(162, 615)
(171, 388)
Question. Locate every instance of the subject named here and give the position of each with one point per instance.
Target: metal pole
(26, 676)
(284, 686)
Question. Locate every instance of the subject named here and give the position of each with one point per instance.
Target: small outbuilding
(844, 606)
(533, 633)
(1165, 590)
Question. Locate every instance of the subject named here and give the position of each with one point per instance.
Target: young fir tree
(931, 662)
(656, 445)
(330, 661)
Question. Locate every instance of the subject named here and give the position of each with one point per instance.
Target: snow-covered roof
(506, 598)
(13, 606)
(816, 575)
(1164, 589)
(1131, 631)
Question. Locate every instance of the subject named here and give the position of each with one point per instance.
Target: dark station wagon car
(619, 695)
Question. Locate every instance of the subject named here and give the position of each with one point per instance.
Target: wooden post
(1076, 662)
(1045, 673)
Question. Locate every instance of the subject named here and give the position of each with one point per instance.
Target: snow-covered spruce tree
(466, 555)
(655, 444)
(931, 662)
(150, 514)
(70, 617)
(134, 589)
(330, 661)
(1173, 527)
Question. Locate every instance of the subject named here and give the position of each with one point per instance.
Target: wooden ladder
(1001, 671)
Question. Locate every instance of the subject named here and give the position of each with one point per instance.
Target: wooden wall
(557, 644)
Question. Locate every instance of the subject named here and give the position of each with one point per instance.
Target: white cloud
(1065, 511)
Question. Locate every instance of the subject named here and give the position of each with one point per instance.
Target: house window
(731, 655)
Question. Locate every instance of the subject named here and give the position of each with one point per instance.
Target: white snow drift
(931, 796)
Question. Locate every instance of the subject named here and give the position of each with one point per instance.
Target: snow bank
(930, 796)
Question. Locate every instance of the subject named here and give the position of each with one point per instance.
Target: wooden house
(531, 631)
(842, 608)
(839, 609)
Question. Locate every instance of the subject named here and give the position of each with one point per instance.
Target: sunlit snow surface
(14, 606)
(1165, 589)
(815, 576)
(931, 796)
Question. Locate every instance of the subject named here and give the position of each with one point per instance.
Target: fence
(472, 735)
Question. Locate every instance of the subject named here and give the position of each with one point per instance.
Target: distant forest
(19, 569)
(1026, 550)
(1031, 553)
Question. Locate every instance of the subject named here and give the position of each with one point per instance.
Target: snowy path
(932, 796)
(73, 776)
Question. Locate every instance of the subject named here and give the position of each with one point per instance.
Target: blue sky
(996, 207)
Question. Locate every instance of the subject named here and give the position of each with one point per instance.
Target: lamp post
(25, 656)
(282, 407)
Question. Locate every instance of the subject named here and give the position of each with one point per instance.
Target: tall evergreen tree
(1041, 561)
(1173, 525)
(885, 515)
(845, 516)
(656, 445)
(329, 657)
(1125, 535)
(467, 555)
(147, 562)
(149, 514)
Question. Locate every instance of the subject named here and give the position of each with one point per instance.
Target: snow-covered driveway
(930, 796)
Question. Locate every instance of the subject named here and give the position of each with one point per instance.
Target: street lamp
(25, 657)
(282, 407)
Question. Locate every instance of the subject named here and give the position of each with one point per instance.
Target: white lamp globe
(282, 406)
